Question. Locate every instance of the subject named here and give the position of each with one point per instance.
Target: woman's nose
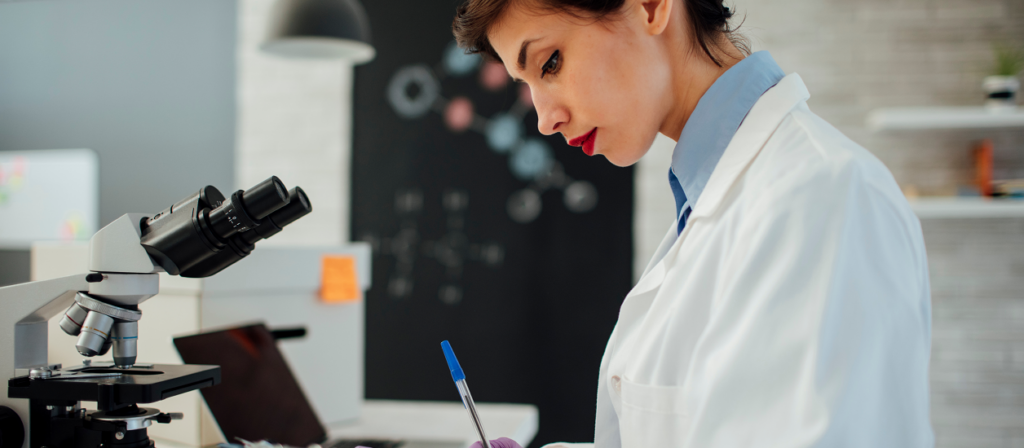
(551, 115)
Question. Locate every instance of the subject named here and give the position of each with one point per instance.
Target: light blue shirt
(713, 124)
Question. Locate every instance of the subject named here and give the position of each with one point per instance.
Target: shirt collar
(714, 122)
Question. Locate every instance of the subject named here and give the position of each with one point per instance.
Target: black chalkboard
(513, 246)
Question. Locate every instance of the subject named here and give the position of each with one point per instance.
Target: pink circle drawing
(525, 96)
(493, 75)
(459, 114)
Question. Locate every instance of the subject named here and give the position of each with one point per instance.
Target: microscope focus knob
(167, 417)
(12, 431)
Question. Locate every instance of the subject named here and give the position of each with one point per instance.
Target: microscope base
(56, 421)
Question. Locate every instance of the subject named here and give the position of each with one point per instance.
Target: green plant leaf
(1009, 60)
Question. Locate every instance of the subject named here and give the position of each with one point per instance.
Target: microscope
(196, 237)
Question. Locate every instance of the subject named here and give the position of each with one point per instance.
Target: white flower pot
(1001, 91)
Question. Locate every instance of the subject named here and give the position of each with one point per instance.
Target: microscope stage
(136, 385)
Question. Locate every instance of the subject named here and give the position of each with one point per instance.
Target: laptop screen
(258, 397)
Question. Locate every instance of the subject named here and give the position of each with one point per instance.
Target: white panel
(269, 270)
(54, 260)
(48, 195)
(654, 206)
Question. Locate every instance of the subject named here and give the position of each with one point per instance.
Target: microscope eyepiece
(246, 208)
(242, 243)
(265, 198)
(202, 227)
(298, 206)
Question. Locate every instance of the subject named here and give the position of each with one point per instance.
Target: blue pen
(460, 382)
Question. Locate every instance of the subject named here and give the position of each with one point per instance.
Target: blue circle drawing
(413, 106)
(503, 132)
(457, 62)
(531, 159)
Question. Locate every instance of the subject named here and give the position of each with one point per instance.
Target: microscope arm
(27, 309)
(122, 273)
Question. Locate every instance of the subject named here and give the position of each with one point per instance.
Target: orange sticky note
(338, 280)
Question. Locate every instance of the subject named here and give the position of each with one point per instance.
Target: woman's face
(602, 84)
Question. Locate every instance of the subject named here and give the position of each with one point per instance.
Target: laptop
(258, 397)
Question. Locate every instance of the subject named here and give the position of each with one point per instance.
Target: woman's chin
(622, 158)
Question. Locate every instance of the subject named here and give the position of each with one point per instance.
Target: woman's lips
(586, 141)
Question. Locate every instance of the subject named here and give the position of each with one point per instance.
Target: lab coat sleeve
(819, 331)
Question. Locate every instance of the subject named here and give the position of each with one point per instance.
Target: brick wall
(294, 121)
(856, 55)
(977, 371)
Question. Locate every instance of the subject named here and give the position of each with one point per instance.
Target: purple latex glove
(503, 442)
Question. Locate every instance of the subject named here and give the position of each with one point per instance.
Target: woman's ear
(655, 14)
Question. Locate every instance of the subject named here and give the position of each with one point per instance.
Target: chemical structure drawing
(453, 250)
(415, 90)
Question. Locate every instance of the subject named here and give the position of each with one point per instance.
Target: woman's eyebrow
(522, 54)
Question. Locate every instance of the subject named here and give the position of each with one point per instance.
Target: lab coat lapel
(666, 244)
(638, 300)
(757, 127)
(760, 123)
(669, 259)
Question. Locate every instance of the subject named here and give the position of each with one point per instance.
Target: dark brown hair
(709, 21)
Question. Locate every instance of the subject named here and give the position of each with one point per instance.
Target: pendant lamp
(322, 29)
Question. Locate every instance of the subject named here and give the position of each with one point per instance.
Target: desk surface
(437, 424)
(432, 424)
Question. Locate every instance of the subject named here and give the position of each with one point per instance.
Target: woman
(788, 305)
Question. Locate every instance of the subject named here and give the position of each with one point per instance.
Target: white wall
(654, 208)
(294, 121)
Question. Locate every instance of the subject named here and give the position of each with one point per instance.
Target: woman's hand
(503, 442)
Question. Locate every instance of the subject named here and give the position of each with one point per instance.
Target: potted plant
(1003, 85)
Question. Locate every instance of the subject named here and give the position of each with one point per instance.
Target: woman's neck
(693, 73)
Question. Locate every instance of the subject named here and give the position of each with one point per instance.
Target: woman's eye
(551, 66)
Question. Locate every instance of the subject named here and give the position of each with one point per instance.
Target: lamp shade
(325, 29)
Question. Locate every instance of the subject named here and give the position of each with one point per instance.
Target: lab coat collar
(757, 127)
(714, 122)
(760, 124)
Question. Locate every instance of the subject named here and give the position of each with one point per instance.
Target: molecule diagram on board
(452, 250)
(415, 90)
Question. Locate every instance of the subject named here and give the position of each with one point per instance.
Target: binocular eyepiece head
(196, 237)
(212, 232)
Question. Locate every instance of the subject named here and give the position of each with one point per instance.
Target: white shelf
(911, 118)
(967, 207)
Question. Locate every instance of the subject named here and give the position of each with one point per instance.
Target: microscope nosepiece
(73, 319)
(125, 336)
(95, 332)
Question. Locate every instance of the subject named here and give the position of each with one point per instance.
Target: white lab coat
(793, 311)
